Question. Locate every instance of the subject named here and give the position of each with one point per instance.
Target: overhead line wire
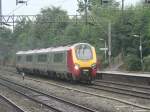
(62, 2)
(17, 8)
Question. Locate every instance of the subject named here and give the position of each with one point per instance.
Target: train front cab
(83, 65)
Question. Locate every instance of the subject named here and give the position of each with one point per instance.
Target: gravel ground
(100, 104)
(128, 79)
(6, 107)
(21, 101)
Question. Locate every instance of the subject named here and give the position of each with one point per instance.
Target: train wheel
(73, 79)
(18, 71)
(89, 81)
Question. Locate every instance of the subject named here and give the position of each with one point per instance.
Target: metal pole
(122, 8)
(86, 1)
(0, 12)
(13, 22)
(0, 7)
(141, 50)
(105, 51)
(105, 48)
(109, 42)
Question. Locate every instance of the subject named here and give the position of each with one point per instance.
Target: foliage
(147, 63)
(132, 62)
(5, 42)
(91, 4)
(48, 32)
(124, 25)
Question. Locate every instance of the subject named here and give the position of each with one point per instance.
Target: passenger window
(58, 58)
(29, 58)
(42, 58)
(18, 58)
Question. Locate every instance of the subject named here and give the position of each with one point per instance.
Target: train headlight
(76, 67)
(93, 66)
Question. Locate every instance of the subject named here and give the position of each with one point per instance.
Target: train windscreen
(84, 52)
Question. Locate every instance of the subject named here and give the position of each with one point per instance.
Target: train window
(84, 52)
(18, 58)
(29, 58)
(58, 57)
(42, 58)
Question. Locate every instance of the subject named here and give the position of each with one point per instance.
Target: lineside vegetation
(133, 20)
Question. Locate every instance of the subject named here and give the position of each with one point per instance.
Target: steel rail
(54, 109)
(18, 109)
(97, 95)
(125, 88)
(147, 94)
(124, 84)
(81, 107)
(122, 91)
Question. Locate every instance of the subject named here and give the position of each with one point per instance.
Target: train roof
(50, 49)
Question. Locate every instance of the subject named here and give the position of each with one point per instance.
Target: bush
(147, 63)
(132, 62)
(105, 64)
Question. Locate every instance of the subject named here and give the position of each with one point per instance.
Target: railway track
(125, 84)
(122, 88)
(15, 107)
(146, 108)
(50, 101)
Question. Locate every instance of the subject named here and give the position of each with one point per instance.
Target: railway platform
(127, 77)
(145, 74)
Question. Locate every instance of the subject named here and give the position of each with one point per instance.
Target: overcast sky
(34, 6)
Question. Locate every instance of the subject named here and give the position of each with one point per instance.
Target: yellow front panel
(85, 63)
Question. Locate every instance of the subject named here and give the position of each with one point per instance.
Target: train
(76, 62)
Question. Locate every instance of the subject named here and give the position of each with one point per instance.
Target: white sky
(34, 6)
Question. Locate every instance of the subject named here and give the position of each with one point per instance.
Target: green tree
(46, 29)
(44, 32)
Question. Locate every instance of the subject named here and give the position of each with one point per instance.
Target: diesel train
(77, 62)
